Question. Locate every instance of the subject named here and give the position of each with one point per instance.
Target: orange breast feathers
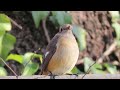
(65, 57)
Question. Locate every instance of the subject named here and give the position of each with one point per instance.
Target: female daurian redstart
(61, 53)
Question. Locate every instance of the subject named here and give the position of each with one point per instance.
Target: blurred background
(24, 36)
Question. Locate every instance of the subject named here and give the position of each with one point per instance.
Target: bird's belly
(63, 60)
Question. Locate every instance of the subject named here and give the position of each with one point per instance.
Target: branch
(88, 70)
(108, 51)
(20, 27)
(16, 76)
(88, 76)
(45, 30)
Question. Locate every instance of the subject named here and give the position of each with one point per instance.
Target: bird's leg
(51, 75)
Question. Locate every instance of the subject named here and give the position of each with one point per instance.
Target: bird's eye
(61, 29)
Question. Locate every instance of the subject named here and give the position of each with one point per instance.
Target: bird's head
(65, 27)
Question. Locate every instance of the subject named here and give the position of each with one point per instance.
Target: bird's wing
(50, 50)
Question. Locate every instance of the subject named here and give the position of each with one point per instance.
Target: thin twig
(20, 27)
(88, 70)
(108, 52)
(9, 67)
(45, 30)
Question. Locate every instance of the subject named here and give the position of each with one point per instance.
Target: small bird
(61, 53)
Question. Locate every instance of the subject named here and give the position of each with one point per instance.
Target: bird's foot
(52, 76)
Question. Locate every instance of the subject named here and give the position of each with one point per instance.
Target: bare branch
(88, 76)
(107, 52)
(20, 27)
(88, 70)
(45, 30)
(9, 67)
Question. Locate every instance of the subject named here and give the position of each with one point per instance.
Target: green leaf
(118, 43)
(111, 68)
(67, 18)
(75, 70)
(116, 26)
(7, 44)
(115, 15)
(15, 57)
(2, 33)
(87, 63)
(3, 71)
(38, 16)
(60, 18)
(30, 69)
(96, 68)
(28, 56)
(97, 71)
(80, 34)
(5, 23)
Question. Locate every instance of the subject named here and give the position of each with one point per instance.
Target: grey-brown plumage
(61, 53)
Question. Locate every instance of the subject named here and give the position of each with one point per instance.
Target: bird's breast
(65, 57)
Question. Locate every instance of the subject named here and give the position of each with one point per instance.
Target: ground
(97, 24)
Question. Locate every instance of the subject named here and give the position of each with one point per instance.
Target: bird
(61, 53)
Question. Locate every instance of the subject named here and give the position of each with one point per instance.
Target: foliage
(5, 23)
(75, 70)
(57, 17)
(115, 18)
(38, 16)
(80, 34)
(29, 67)
(7, 40)
(98, 68)
(111, 68)
(60, 18)
(3, 71)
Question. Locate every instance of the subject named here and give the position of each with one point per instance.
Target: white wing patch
(46, 54)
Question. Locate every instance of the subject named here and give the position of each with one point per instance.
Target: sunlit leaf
(5, 23)
(97, 69)
(111, 68)
(30, 69)
(15, 57)
(118, 43)
(75, 70)
(87, 63)
(3, 71)
(6, 44)
(2, 32)
(29, 56)
(116, 26)
(60, 18)
(38, 16)
(80, 34)
(94, 68)
(115, 15)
